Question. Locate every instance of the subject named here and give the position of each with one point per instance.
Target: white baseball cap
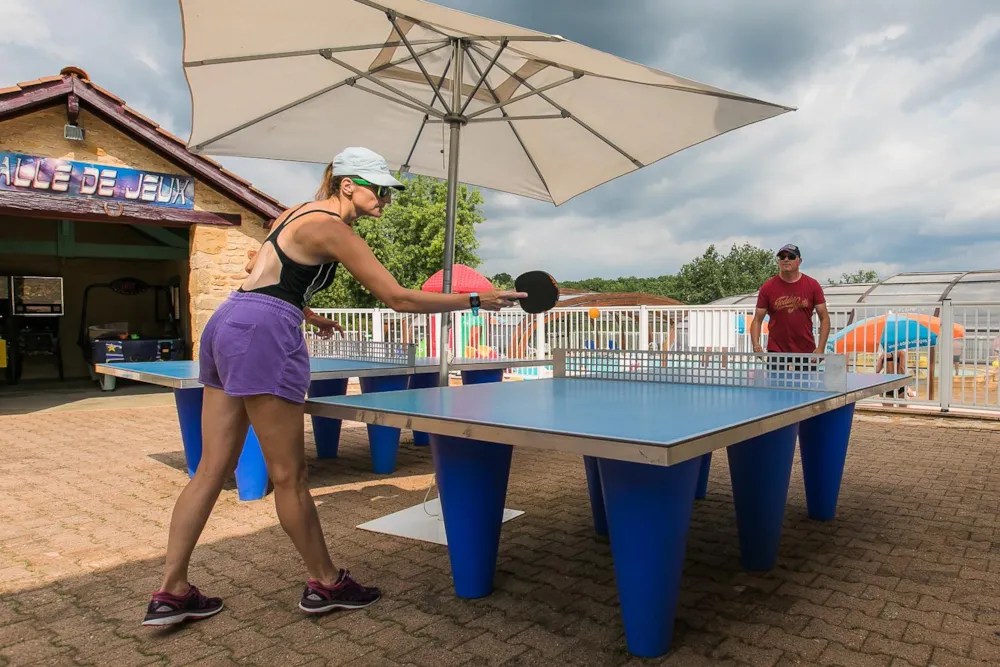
(367, 164)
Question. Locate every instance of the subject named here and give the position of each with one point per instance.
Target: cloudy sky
(891, 161)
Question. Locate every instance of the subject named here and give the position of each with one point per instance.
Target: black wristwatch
(474, 302)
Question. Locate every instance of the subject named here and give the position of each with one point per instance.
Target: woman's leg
(224, 429)
(280, 430)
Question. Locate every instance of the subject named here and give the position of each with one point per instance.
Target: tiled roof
(26, 96)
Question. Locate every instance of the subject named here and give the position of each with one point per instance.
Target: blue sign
(53, 176)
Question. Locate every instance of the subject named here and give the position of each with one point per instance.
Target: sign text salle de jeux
(54, 176)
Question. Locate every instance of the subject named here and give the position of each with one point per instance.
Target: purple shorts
(253, 344)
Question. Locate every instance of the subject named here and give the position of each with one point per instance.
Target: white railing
(968, 364)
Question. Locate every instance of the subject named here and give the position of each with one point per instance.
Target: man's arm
(755, 326)
(824, 327)
(819, 299)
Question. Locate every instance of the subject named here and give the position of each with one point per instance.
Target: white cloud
(288, 182)
(857, 150)
(572, 247)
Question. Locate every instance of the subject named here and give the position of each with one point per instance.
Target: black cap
(789, 247)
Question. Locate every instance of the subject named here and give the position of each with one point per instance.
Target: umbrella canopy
(538, 115)
(464, 281)
(302, 79)
(891, 332)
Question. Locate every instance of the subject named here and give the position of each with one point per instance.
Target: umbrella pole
(451, 210)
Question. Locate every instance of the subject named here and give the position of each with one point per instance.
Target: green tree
(859, 276)
(409, 240)
(660, 286)
(702, 280)
(502, 281)
(714, 276)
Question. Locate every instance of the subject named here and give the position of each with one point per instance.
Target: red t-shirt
(790, 307)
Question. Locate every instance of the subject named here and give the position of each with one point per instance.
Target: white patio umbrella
(538, 115)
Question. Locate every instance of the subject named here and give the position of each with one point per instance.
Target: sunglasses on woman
(381, 191)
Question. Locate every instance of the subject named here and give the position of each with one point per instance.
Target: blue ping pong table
(379, 367)
(645, 424)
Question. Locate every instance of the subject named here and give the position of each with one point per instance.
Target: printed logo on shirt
(791, 303)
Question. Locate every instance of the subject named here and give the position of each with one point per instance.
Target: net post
(946, 350)
(559, 363)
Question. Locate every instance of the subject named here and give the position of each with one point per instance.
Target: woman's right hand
(497, 299)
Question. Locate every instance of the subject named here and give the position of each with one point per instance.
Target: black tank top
(297, 282)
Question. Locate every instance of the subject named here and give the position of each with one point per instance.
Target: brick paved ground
(908, 574)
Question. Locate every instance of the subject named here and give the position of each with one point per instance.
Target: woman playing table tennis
(255, 367)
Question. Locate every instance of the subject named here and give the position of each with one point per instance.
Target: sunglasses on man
(785, 255)
(381, 191)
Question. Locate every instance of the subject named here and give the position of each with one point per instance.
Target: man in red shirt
(790, 298)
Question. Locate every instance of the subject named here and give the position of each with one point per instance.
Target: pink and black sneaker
(345, 594)
(167, 609)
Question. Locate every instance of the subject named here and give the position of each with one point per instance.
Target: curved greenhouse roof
(904, 289)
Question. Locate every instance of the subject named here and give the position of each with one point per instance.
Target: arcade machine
(6, 309)
(103, 344)
(32, 312)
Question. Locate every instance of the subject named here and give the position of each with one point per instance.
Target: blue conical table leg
(383, 441)
(326, 430)
(705, 467)
(823, 443)
(596, 495)
(422, 381)
(649, 513)
(251, 470)
(760, 469)
(472, 485)
(189, 402)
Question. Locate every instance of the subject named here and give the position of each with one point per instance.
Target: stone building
(93, 193)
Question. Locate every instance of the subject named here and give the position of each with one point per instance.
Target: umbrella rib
(482, 77)
(368, 75)
(314, 95)
(392, 18)
(378, 93)
(736, 97)
(551, 116)
(309, 52)
(517, 135)
(415, 21)
(405, 167)
(506, 38)
(269, 114)
(478, 38)
(531, 93)
(565, 112)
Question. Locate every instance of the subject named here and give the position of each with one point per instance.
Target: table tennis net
(379, 352)
(814, 372)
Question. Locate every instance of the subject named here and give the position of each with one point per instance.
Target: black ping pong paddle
(541, 288)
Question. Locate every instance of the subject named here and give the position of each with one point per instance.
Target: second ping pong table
(379, 366)
(645, 424)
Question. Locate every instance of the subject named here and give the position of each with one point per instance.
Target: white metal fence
(956, 369)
